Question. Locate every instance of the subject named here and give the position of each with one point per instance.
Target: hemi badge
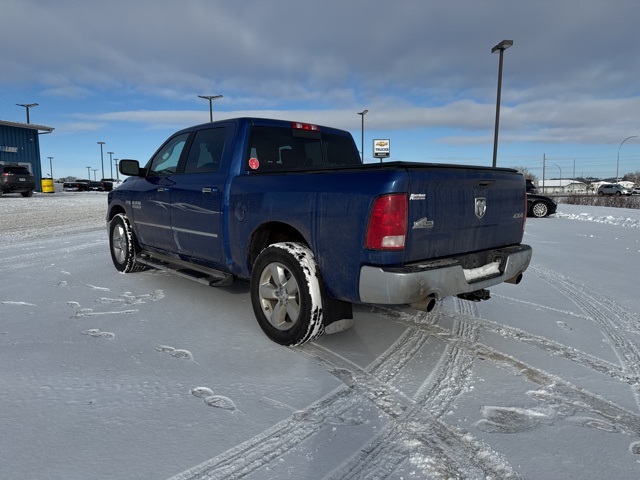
(418, 196)
(423, 223)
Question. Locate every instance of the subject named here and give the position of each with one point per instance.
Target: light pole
(117, 175)
(51, 166)
(27, 106)
(501, 47)
(211, 98)
(94, 174)
(362, 114)
(88, 173)
(110, 163)
(618, 160)
(561, 188)
(101, 158)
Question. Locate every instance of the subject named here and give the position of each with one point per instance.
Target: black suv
(15, 178)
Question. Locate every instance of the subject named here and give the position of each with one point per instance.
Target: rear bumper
(443, 278)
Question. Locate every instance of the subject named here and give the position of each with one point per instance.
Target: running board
(191, 271)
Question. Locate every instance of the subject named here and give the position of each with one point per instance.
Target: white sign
(381, 148)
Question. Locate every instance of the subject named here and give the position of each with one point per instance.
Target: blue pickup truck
(291, 208)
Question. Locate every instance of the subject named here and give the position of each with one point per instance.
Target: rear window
(276, 148)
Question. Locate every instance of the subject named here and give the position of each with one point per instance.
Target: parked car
(613, 189)
(106, 184)
(79, 185)
(82, 185)
(531, 187)
(16, 179)
(540, 206)
(635, 191)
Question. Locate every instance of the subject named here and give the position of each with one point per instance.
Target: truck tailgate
(459, 210)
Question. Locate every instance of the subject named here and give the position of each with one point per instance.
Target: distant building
(20, 145)
(565, 185)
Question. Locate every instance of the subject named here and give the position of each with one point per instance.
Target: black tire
(123, 245)
(286, 294)
(539, 209)
(27, 194)
(601, 194)
(618, 194)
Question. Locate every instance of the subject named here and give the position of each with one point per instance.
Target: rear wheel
(27, 194)
(539, 209)
(286, 294)
(123, 245)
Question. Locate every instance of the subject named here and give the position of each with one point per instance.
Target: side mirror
(130, 168)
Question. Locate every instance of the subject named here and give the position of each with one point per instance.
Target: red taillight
(305, 126)
(387, 229)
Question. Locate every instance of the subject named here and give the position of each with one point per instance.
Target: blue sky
(129, 73)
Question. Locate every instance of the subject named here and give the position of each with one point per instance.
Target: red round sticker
(254, 163)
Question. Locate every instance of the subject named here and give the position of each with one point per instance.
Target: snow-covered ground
(151, 376)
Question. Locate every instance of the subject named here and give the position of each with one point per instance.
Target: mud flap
(337, 314)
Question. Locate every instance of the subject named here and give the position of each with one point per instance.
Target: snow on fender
(286, 294)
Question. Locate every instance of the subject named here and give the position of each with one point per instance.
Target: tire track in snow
(551, 389)
(276, 441)
(428, 442)
(419, 436)
(612, 319)
(30, 256)
(551, 346)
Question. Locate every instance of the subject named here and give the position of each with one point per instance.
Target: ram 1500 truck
(291, 208)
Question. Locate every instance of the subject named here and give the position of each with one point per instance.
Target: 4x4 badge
(481, 206)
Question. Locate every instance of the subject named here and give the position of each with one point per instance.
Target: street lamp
(101, 158)
(116, 160)
(618, 161)
(561, 188)
(89, 173)
(211, 98)
(110, 163)
(501, 47)
(27, 106)
(51, 166)
(362, 114)
(94, 173)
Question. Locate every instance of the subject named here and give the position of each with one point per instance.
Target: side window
(206, 151)
(166, 160)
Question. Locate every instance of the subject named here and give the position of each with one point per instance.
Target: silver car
(613, 189)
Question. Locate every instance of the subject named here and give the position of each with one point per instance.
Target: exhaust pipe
(515, 280)
(426, 304)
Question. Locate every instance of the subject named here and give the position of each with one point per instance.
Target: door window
(206, 150)
(165, 162)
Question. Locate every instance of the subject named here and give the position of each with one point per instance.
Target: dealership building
(20, 145)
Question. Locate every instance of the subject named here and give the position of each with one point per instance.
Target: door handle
(163, 189)
(210, 190)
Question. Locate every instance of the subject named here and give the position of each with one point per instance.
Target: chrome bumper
(442, 278)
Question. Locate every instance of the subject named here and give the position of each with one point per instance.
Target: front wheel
(286, 294)
(123, 245)
(539, 209)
